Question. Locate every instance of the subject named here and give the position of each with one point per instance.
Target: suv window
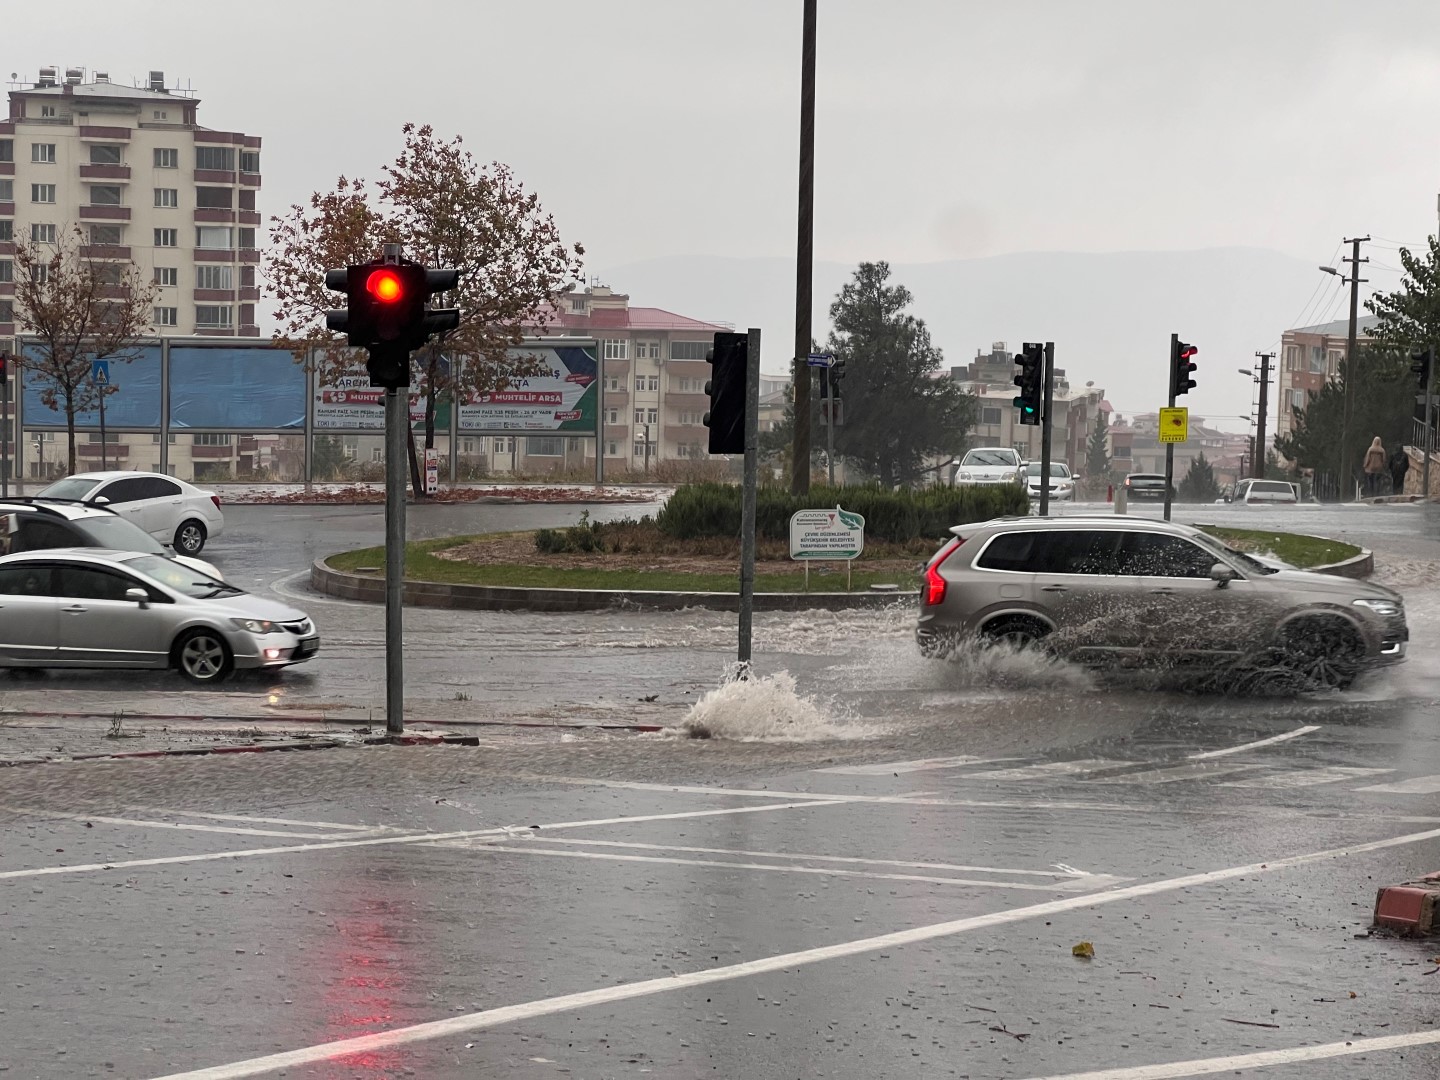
(25, 581)
(1055, 551)
(127, 490)
(35, 533)
(91, 583)
(1158, 555)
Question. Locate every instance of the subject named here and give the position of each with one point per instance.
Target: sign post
(1174, 428)
(831, 535)
(747, 499)
(432, 470)
(100, 379)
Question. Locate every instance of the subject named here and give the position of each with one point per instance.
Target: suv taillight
(934, 583)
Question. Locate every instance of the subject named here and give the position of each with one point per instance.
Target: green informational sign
(826, 534)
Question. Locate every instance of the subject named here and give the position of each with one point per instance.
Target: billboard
(350, 403)
(563, 398)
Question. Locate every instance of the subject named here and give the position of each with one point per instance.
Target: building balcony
(249, 292)
(7, 209)
(104, 134)
(687, 399)
(104, 251)
(214, 176)
(105, 172)
(214, 214)
(249, 179)
(687, 433)
(112, 292)
(249, 217)
(7, 168)
(215, 331)
(249, 331)
(215, 296)
(7, 247)
(250, 255)
(104, 213)
(692, 369)
(90, 451)
(212, 452)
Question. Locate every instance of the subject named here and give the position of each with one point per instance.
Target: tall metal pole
(1170, 447)
(804, 257)
(1048, 400)
(747, 496)
(397, 416)
(1347, 473)
(1258, 453)
(7, 430)
(103, 461)
(827, 391)
(1429, 447)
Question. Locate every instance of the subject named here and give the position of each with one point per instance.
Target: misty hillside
(1109, 315)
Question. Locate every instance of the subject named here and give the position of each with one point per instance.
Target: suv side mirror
(138, 596)
(1222, 575)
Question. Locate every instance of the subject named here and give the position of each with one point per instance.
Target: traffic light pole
(1170, 447)
(827, 392)
(1429, 447)
(1045, 428)
(397, 415)
(747, 497)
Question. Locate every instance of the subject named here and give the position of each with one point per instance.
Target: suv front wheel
(1325, 651)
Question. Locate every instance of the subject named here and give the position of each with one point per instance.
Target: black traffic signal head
(1420, 364)
(387, 312)
(1031, 381)
(1181, 365)
(727, 390)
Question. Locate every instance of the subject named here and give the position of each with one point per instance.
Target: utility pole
(1170, 447)
(1347, 473)
(1258, 451)
(397, 421)
(747, 499)
(1045, 428)
(804, 257)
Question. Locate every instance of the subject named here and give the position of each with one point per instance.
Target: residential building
(991, 378)
(1223, 449)
(1309, 358)
(132, 167)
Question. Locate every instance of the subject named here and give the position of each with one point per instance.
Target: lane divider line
(1286, 737)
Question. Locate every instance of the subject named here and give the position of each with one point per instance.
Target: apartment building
(132, 167)
(1309, 358)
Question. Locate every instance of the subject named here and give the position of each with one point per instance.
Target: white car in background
(988, 465)
(170, 510)
(1264, 492)
(1062, 483)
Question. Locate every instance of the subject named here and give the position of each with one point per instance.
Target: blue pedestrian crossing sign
(100, 372)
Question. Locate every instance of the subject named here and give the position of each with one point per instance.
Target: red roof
(635, 318)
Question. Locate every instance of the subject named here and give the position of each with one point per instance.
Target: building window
(167, 196)
(156, 439)
(544, 446)
(612, 416)
(210, 438)
(502, 446)
(160, 114)
(213, 237)
(167, 238)
(577, 305)
(616, 349)
(47, 112)
(214, 198)
(7, 311)
(40, 273)
(1121, 452)
(42, 193)
(167, 158)
(167, 316)
(1297, 399)
(654, 382)
(1317, 360)
(108, 273)
(247, 238)
(42, 151)
(639, 416)
(689, 350)
(104, 194)
(250, 161)
(990, 416)
(1292, 357)
(215, 157)
(42, 234)
(106, 234)
(214, 277)
(640, 449)
(612, 382)
(7, 230)
(212, 316)
(612, 449)
(7, 149)
(104, 154)
(639, 382)
(7, 190)
(650, 416)
(167, 275)
(7, 271)
(1333, 361)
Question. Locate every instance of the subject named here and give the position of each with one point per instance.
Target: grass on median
(1297, 550)
(422, 564)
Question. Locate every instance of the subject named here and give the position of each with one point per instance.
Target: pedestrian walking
(1399, 466)
(1374, 467)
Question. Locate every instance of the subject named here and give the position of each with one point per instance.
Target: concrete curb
(371, 589)
(1357, 566)
(417, 739)
(330, 721)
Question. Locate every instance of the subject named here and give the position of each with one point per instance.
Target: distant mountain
(1110, 315)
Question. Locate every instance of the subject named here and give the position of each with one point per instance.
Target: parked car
(35, 525)
(1128, 591)
(92, 608)
(170, 510)
(1062, 483)
(990, 465)
(1266, 492)
(1144, 485)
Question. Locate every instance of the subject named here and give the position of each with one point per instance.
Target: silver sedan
(92, 608)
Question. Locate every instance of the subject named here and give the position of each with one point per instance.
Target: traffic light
(1420, 364)
(1031, 381)
(386, 313)
(727, 391)
(1181, 354)
(4, 368)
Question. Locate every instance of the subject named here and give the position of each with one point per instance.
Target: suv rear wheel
(1326, 652)
(1016, 631)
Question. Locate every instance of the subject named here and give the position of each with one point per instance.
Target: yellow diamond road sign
(1174, 425)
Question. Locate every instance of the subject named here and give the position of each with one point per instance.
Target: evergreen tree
(1097, 454)
(1199, 484)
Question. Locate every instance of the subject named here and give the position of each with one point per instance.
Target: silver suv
(1108, 590)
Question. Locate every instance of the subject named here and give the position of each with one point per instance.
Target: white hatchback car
(170, 510)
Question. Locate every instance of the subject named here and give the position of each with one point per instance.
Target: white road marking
(1049, 769)
(606, 995)
(1060, 869)
(183, 826)
(1297, 778)
(1286, 737)
(1420, 785)
(260, 820)
(1199, 770)
(888, 768)
(1261, 1059)
(1064, 885)
(696, 789)
(410, 838)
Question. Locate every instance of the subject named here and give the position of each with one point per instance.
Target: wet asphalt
(887, 880)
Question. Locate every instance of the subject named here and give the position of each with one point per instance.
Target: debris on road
(1250, 1023)
(1083, 951)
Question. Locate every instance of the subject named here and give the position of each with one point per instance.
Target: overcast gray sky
(946, 128)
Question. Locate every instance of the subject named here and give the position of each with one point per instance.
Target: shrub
(702, 510)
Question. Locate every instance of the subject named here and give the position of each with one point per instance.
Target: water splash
(764, 709)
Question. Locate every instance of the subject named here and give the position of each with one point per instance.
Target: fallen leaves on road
(375, 493)
(1083, 951)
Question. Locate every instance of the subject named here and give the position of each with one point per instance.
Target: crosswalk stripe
(1420, 785)
(1198, 770)
(1047, 770)
(1297, 778)
(887, 768)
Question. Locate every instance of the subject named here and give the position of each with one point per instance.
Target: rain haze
(1221, 150)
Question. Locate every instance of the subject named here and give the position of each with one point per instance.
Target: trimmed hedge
(697, 510)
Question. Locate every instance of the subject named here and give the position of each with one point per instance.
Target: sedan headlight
(964, 474)
(1380, 607)
(257, 626)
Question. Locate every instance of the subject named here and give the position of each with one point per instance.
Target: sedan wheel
(190, 537)
(203, 657)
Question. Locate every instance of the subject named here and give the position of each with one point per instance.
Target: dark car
(1145, 485)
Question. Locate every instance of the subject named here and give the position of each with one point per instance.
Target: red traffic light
(1187, 351)
(385, 285)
